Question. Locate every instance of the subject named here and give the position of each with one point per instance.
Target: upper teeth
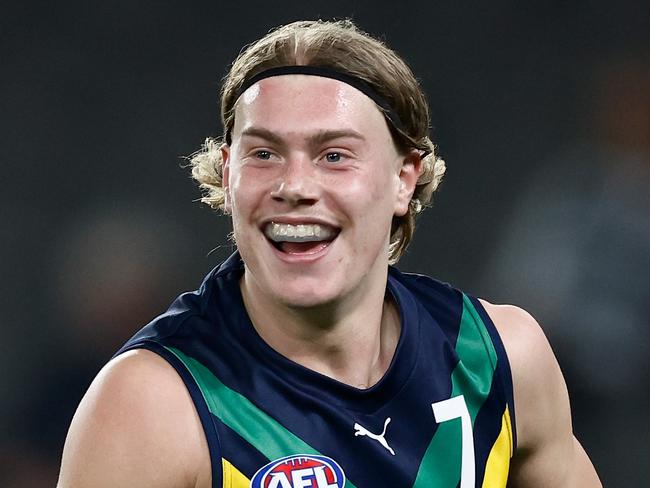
(298, 233)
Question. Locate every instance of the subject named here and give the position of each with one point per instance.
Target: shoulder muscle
(547, 452)
(136, 426)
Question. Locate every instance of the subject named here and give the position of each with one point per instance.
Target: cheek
(242, 207)
(245, 189)
(383, 194)
(366, 185)
(370, 203)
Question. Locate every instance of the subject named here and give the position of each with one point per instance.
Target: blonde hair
(338, 45)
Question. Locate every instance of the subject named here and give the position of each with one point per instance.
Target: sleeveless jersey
(442, 416)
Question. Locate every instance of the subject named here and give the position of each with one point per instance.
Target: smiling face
(313, 181)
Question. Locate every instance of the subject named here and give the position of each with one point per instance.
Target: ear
(409, 174)
(225, 180)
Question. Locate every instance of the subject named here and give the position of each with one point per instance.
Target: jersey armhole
(504, 372)
(207, 422)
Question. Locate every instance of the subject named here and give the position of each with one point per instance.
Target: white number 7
(454, 408)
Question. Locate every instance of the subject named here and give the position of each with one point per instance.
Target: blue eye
(333, 157)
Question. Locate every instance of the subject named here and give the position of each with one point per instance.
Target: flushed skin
(324, 309)
(326, 156)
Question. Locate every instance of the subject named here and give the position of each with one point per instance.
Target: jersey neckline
(330, 389)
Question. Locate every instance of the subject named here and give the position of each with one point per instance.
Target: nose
(297, 183)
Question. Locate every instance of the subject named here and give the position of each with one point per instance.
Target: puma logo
(361, 430)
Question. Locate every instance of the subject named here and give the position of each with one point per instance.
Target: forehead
(304, 103)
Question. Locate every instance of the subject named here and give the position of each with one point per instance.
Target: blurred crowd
(576, 251)
(111, 271)
(569, 239)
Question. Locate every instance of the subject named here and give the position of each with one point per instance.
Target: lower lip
(305, 257)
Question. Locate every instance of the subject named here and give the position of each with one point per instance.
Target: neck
(352, 340)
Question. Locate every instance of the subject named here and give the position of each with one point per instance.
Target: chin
(300, 297)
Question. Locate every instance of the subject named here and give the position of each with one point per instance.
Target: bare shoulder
(529, 352)
(536, 375)
(136, 426)
(547, 452)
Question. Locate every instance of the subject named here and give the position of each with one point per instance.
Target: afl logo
(300, 471)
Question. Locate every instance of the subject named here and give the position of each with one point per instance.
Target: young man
(305, 360)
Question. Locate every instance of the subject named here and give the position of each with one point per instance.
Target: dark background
(540, 109)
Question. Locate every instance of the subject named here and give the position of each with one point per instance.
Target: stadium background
(540, 109)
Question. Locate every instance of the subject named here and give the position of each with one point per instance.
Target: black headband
(358, 83)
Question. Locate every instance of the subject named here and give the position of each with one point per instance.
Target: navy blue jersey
(442, 415)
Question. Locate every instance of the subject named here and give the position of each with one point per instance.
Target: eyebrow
(315, 139)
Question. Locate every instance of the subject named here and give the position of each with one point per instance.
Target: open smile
(300, 239)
